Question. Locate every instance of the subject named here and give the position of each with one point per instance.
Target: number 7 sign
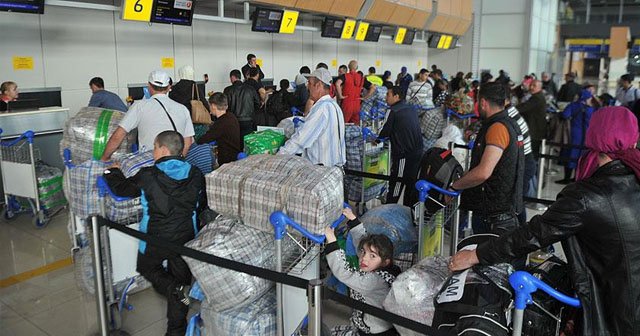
(289, 21)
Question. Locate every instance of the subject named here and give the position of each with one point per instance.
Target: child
(171, 190)
(371, 283)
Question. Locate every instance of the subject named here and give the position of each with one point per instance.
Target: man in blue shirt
(103, 98)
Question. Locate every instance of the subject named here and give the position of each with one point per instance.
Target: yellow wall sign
(289, 21)
(349, 28)
(334, 63)
(400, 35)
(167, 62)
(447, 41)
(22, 63)
(378, 63)
(363, 27)
(259, 62)
(137, 10)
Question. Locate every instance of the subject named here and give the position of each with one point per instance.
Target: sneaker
(182, 297)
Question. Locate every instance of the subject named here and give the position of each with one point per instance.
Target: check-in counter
(47, 123)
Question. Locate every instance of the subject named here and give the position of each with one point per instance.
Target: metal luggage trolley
(18, 159)
(119, 278)
(304, 262)
(525, 284)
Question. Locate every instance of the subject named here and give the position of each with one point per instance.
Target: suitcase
(440, 167)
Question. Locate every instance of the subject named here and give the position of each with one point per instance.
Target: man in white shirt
(420, 91)
(321, 137)
(153, 116)
(627, 94)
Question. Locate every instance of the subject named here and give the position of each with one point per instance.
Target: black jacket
(403, 127)
(172, 191)
(534, 112)
(182, 92)
(245, 71)
(597, 221)
(550, 88)
(569, 91)
(244, 100)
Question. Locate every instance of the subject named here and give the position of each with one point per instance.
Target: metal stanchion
(541, 167)
(314, 294)
(279, 316)
(455, 225)
(99, 279)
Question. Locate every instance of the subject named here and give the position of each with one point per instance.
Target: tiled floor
(52, 304)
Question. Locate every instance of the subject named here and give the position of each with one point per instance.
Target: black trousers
(246, 127)
(165, 281)
(407, 169)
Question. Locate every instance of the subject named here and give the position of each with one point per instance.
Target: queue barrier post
(541, 169)
(314, 292)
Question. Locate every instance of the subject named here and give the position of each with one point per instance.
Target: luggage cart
(525, 284)
(372, 153)
(117, 252)
(431, 233)
(305, 263)
(18, 159)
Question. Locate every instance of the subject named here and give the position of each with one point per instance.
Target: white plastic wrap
(414, 290)
(87, 132)
(229, 238)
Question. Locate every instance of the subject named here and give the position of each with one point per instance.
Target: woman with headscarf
(597, 220)
(579, 113)
(183, 92)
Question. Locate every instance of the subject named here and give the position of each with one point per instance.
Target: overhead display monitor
(22, 6)
(332, 27)
(409, 36)
(178, 12)
(267, 20)
(434, 40)
(373, 34)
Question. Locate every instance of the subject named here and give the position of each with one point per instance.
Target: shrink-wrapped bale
(263, 142)
(87, 132)
(50, 190)
(288, 126)
(257, 318)
(412, 293)
(396, 222)
(229, 238)
(257, 186)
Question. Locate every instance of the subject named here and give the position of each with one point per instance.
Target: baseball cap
(159, 78)
(322, 75)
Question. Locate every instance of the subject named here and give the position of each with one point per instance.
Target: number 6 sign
(137, 10)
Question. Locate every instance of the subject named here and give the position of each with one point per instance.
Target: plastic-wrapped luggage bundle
(257, 318)
(263, 142)
(288, 126)
(50, 186)
(87, 132)
(257, 186)
(129, 211)
(355, 154)
(413, 291)
(229, 238)
(81, 188)
(396, 222)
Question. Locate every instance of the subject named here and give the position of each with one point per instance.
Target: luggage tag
(453, 290)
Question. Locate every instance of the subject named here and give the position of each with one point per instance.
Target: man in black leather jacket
(597, 220)
(244, 101)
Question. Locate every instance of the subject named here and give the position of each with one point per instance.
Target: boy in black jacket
(170, 191)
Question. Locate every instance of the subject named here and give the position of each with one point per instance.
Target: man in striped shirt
(321, 137)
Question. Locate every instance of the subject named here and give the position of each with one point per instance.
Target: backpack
(441, 168)
(476, 301)
(277, 108)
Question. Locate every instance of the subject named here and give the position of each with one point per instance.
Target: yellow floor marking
(24, 276)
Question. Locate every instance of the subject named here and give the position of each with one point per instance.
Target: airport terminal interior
(328, 167)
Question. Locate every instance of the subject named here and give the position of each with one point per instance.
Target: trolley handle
(525, 284)
(26, 135)
(424, 187)
(466, 146)
(368, 133)
(280, 220)
(460, 116)
(66, 156)
(103, 190)
(296, 112)
(297, 121)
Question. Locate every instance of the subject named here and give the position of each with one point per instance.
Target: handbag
(199, 114)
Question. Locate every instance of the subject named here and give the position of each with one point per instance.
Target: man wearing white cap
(153, 116)
(321, 137)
